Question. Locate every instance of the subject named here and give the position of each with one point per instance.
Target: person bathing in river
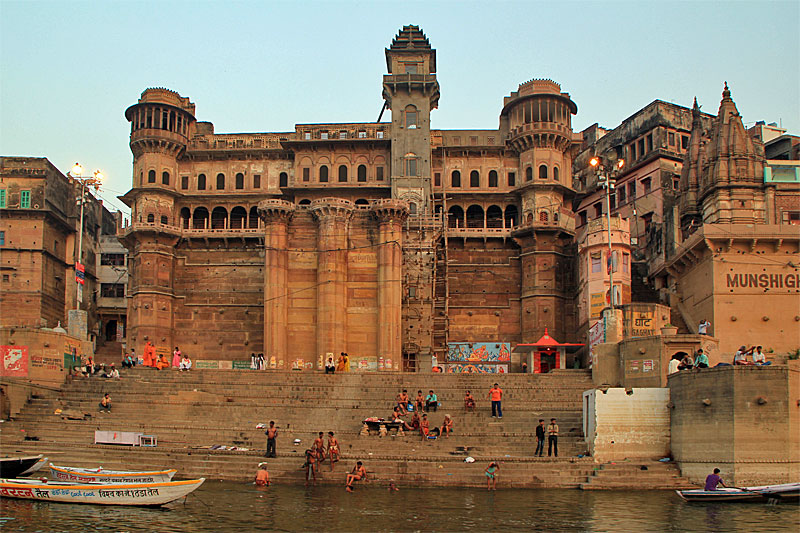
(358, 473)
(491, 475)
(319, 448)
(333, 449)
(311, 467)
(262, 476)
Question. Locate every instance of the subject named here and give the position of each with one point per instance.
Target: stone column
(391, 214)
(333, 219)
(276, 215)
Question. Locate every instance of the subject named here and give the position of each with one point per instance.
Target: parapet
(162, 95)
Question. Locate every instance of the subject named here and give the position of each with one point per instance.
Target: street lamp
(89, 181)
(606, 176)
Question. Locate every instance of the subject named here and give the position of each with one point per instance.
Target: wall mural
(476, 369)
(479, 352)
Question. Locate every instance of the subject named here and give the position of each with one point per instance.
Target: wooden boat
(35, 468)
(783, 492)
(90, 475)
(11, 467)
(136, 494)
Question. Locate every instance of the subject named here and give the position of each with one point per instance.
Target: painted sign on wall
(597, 303)
(476, 369)
(15, 361)
(643, 324)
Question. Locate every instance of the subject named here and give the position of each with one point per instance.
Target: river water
(223, 506)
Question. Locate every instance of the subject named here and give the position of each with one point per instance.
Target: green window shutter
(2, 197)
(25, 199)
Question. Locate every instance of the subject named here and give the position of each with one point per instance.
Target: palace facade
(389, 240)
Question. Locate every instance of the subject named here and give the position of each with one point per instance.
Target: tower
(160, 125)
(731, 188)
(411, 91)
(537, 121)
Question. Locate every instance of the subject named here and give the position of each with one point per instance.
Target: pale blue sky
(68, 70)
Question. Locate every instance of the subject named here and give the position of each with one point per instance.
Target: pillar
(391, 214)
(333, 219)
(276, 215)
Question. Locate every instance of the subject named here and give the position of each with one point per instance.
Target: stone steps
(648, 474)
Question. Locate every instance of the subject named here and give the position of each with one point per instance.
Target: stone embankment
(189, 412)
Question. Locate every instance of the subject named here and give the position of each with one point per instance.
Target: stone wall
(33, 359)
(742, 420)
(632, 424)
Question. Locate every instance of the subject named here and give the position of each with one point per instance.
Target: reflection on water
(220, 506)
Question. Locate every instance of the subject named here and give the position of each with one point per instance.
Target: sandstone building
(391, 240)
(39, 222)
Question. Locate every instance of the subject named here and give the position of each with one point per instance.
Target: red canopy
(546, 341)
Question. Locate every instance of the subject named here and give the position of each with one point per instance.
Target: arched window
(253, 217)
(305, 202)
(528, 174)
(474, 179)
(492, 178)
(185, 216)
(494, 217)
(164, 220)
(323, 173)
(219, 218)
(220, 181)
(362, 202)
(542, 172)
(455, 180)
(361, 173)
(512, 216)
(165, 178)
(151, 176)
(455, 217)
(543, 216)
(555, 173)
(201, 182)
(412, 208)
(411, 117)
(151, 218)
(342, 173)
(200, 218)
(283, 180)
(238, 217)
(474, 216)
(239, 180)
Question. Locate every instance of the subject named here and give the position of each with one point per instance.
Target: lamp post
(606, 176)
(91, 181)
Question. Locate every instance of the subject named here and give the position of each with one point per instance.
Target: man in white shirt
(759, 358)
(702, 329)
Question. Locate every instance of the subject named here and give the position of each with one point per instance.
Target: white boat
(136, 494)
(90, 475)
(783, 492)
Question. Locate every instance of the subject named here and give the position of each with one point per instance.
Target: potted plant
(669, 329)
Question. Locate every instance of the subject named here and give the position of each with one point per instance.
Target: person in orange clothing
(162, 362)
(149, 354)
(496, 394)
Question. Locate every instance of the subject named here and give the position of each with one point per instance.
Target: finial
(726, 93)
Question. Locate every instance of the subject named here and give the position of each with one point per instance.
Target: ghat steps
(189, 411)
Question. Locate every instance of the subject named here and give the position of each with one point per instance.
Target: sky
(68, 70)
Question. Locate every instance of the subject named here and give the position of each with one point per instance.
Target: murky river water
(226, 507)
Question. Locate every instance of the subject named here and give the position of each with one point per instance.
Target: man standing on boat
(712, 480)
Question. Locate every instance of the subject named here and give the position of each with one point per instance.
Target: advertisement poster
(15, 360)
(597, 334)
(598, 302)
